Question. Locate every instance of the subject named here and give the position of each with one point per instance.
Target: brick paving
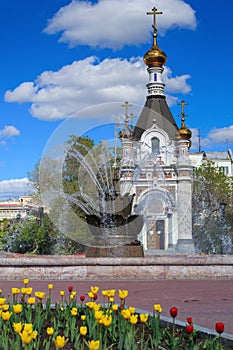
(206, 301)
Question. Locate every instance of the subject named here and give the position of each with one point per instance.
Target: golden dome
(125, 134)
(184, 133)
(127, 131)
(155, 57)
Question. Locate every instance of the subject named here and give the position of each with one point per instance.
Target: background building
(222, 160)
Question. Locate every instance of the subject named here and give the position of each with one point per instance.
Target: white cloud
(13, 188)
(23, 93)
(177, 84)
(215, 138)
(8, 132)
(116, 23)
(87, 82)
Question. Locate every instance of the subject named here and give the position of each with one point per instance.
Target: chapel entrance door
(155, 235)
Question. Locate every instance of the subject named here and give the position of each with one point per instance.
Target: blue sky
(60, 57)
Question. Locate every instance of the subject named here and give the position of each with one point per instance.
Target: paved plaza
(206, 301)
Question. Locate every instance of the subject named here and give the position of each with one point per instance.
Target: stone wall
(14, 267)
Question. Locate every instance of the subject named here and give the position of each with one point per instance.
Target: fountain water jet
(112, 227)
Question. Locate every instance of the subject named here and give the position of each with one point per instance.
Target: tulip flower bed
(29, 321)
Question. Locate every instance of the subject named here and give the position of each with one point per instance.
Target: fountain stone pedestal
(126, 251)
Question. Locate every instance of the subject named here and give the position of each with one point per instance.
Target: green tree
(33, 177)
(78, 147)
(212, 226)
(44, 176)
(19, 237)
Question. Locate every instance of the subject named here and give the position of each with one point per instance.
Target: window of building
(155, 145)
(224, 170)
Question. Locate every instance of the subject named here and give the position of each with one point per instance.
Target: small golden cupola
(183, 133)
(155, 57)
(126, 132)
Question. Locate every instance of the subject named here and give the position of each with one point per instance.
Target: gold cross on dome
(126, 105)
(154, 13)
(182, 104)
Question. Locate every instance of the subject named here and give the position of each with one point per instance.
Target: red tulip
(95, 297)
(189, 320)
(219, 327)
(173, 312)
(70, 288)
(189, 328)
(82, 298)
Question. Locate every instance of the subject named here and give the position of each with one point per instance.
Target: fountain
(115, 227)
(112, 228)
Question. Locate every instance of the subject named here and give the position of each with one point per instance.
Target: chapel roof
(155, 108)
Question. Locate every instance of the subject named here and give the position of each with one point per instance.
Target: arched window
(155, 145)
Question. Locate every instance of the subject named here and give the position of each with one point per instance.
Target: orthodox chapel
(156, 166)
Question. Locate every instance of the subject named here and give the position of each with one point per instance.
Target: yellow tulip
(40, 295)
(50, 286)
(104, 293)
(91, 295)
(28, 327)
(2, 301)
(123, 294)
(74, 311)
(5, 307)
(132, 310)
(50, 330)
(98, 314)
(96, 307)
(158, 308)
(17, 327)
(133, 319)
(15, 291)
(31, 301)
(91, 304)
(34, 334)
(114, 307)
(62, 293)
(26, 281)
(111, 293)
(29, 290)
(60, 341)
(74, 293)
(126, 314)
(144, 318)
(83, 317)
(111, 299)
(94, 290)
(94, 344)
(26, 337)
(24, 290)
(83, 330)
(107, 320)
(17, 308)
(6, 315)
